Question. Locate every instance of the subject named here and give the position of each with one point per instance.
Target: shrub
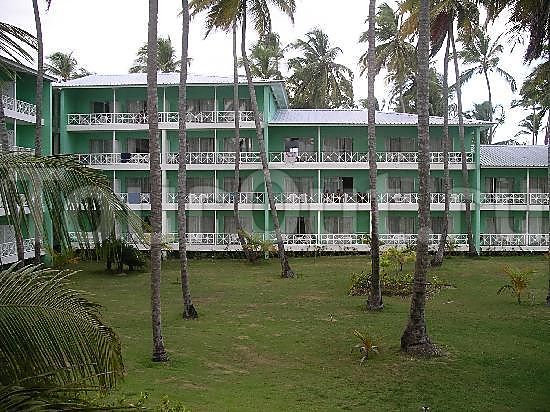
(63, 259)
(394, 258)
(256, 246)
(393, 284)
(360, 284)
(119, 253)
(518, 282)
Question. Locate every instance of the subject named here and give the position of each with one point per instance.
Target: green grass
(264, 343)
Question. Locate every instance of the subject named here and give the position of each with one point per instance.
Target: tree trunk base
(375, 306)
(437, 261)
(160, 356)
(287, 273)
(424, 350)
(190, 312)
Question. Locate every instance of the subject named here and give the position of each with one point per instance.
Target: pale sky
(105, 35)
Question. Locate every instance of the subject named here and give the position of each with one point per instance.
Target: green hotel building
(318, 161)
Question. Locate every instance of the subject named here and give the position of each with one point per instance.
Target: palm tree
(438, 258)
(374, 301)
(189, 311)
(38, 119)
(393, 52)
(415, 336)
(65, 67)
(484, 111)
(478, 50)
(56, 343)
(222, 15)
(159, 352)
(444, 14)
(531, 125)
(166, 57)
(410, 94)
(265, 57)
(317, 80)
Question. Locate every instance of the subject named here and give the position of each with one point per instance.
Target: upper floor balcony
(514, 200)
(19, 109)
(167, 120)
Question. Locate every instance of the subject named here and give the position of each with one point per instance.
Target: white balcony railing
(412, 198)
(210, 158)
(354, 157)
(515, 240)
(95, 159)
(221, 198)
(400, 239)
(412, 157)
(504, 198)
(135, 198)
(539, 198)
(18, 106)
(85, 119)
(9, 249)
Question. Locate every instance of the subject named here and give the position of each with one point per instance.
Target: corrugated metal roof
(355, 117)
(513, 156)
(23, 66)
(140, 79)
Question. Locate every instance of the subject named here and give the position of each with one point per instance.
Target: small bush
(518, 282)
(393, 284)
(366, 345)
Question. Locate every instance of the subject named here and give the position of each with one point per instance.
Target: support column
(215, 104)
(528, 205)
(477, 194)
(319, 144)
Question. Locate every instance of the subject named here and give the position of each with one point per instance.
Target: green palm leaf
(56, 337)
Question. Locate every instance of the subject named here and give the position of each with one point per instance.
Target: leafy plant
(518, 282)
(360, 283)
(393, 284)
(366, 345)
(396, 258)
(256, 246)
(63, 259)
(120, 253)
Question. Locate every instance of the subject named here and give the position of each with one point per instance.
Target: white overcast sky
(105, 34)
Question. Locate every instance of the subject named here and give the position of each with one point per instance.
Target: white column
(318, 224)
(15, 132)
(164, 148)
(114, 111)
(164, 99)
(318, 143)
(215, 104)
(528, 205)
(215, 140)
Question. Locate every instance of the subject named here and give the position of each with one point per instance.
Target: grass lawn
(264, 343)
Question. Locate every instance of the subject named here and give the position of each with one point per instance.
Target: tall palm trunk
(4, 138)
(438, 258)
(286, 271)
(38, 219)
(464, 163)
(415, 336)
(189, 311)
(547, 141)
(159, 352)
(490, 104)
(237, 184)
(374, 301)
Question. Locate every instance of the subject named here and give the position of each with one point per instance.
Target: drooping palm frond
(13, 41)
(77, 199)
(53, 335)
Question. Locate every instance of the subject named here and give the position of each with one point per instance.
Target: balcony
(19, 109)
(218, 198)
(514, 200)
(104, 159)
(8, 251)
(167, 120)
(213, 158)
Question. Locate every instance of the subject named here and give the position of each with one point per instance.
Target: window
(230, 226)
(436, 145)
(229, 144)
(136, 106)
(200, 144)
(338, 184)
(101, 146)
(437, 224)
(200, 105)
(245, 105)
(338, 145)
(245, 184)
(138, 145)
(339, 224)
(538, 224)
(102, 107)
(401, 144)
(298, 225)
(200, 184)
(302, 144)
(503, 224)
(302, 184)
(437, 184)
(401, 224)
(499, 184)
(138, 184)
(538, 184)
(401, 185)
(200, 224)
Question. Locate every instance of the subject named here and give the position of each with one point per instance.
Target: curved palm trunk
(415, 336)
(490, 105)
(374, 301)
(286, 271)
(438, 258)
(237, 185)
(38, 219)
(189, 311)
(159, 352)
(464, 164)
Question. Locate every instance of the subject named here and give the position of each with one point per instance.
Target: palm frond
(56, 336)
(13, 41)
